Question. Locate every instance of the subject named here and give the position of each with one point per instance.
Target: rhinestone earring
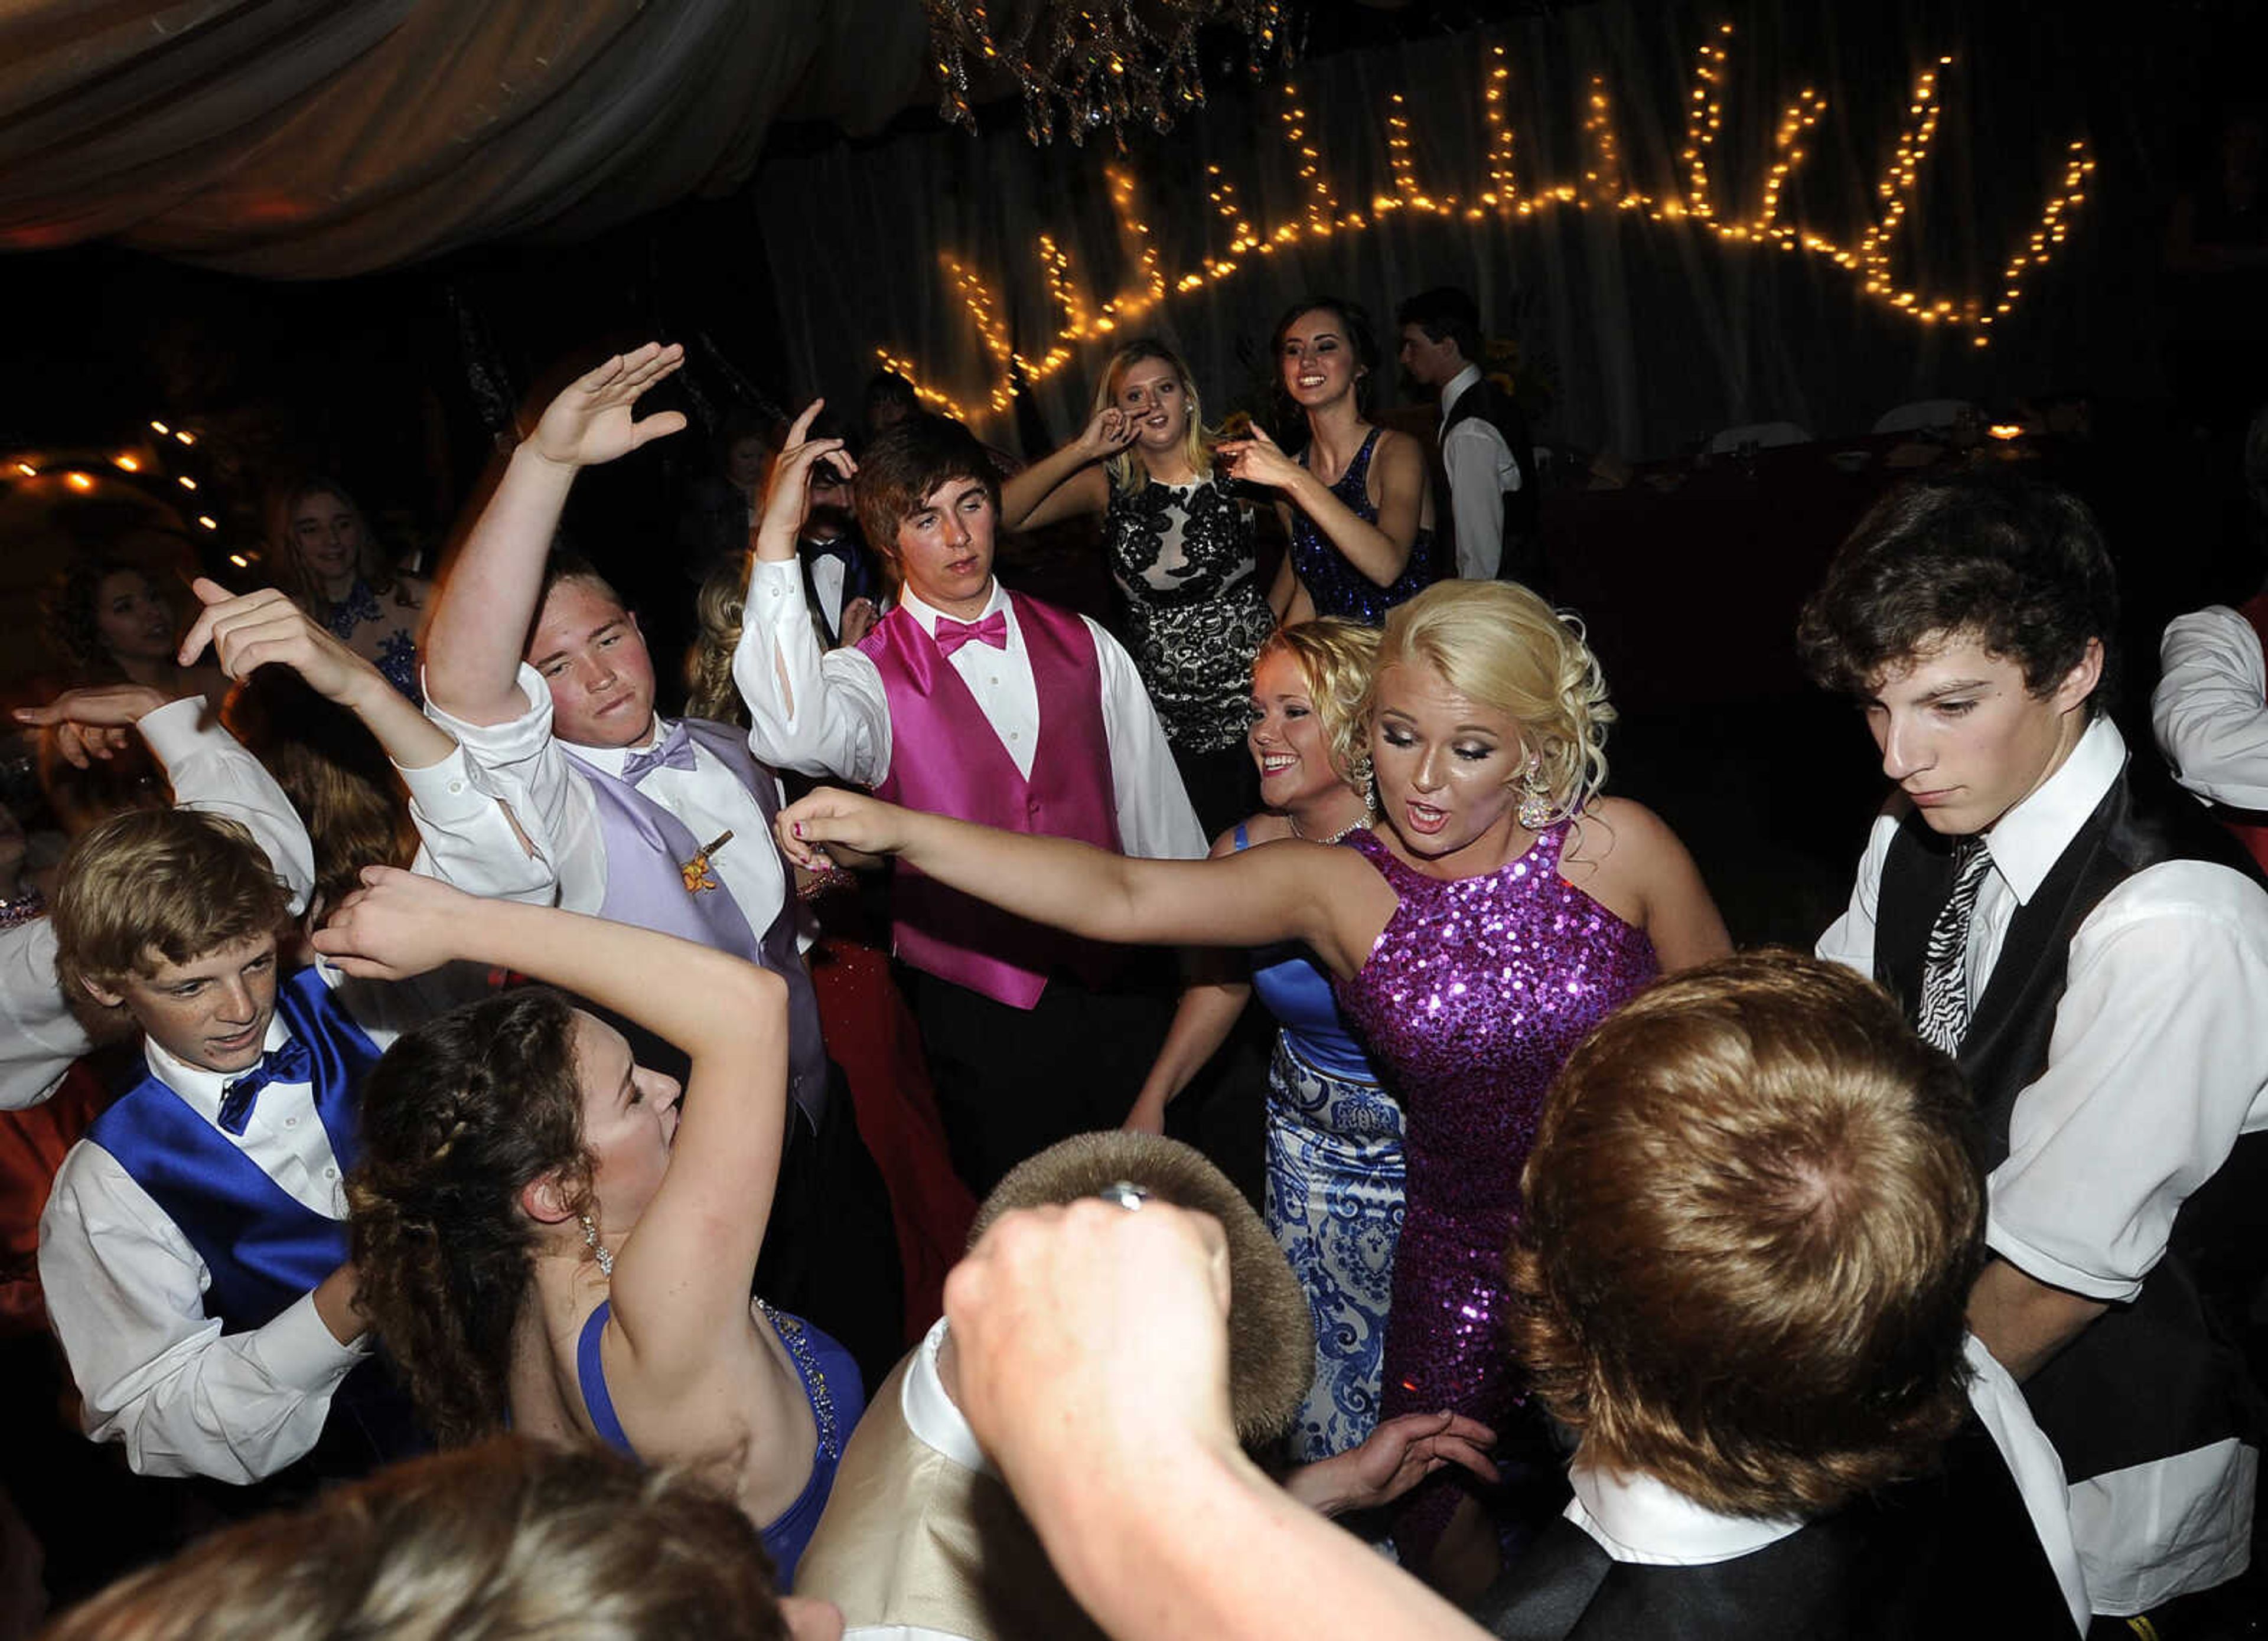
(1534, 811)
(599, 1250)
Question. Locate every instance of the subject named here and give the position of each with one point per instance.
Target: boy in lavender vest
(970, 700)
(533, 663)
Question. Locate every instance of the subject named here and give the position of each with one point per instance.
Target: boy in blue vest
(193, 1250)
(2095, 957)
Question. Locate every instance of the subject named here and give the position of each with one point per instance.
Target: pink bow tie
(952, 634)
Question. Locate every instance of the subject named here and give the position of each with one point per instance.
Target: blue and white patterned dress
(1334, 1202)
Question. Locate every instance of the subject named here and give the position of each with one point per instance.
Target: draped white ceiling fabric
(312, 139)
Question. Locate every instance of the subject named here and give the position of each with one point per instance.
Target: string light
(127, 462)
(1602, 181)
(80, 482)
(185, 436)
(161, 429)
(185, 482)
(208, 521)
(238, 559)
(28, 470)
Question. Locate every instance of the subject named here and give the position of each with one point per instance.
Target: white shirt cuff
(445, 793)
(297, 1349)
(178, 729)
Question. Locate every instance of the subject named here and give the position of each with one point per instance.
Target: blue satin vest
(264, 1247)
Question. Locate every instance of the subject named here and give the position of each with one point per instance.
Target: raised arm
(1331, 898)
(480, 615)
(1067, 483)
(469, 837)
(684, 1274)
(2208, 711)
(1380, 550)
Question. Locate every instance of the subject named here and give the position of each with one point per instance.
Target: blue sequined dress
(1335, 586)
(1334, 1192)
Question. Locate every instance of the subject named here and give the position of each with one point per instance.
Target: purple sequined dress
(1475, 995)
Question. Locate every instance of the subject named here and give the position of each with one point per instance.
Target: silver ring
(1125, 1193)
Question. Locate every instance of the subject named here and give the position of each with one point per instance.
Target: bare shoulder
(1616, 836)
(1397, 450)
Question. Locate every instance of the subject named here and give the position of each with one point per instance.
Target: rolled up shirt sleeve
(155, 1374)
(1849, 938)
(819, 712)
(465, 838)
(2156, 1065)
(2210, 710)
(521, 762)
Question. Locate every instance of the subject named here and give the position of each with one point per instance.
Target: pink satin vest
(946, 758)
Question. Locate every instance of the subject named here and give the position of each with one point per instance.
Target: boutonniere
(696, 871)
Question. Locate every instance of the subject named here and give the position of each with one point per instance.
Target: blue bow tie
(291, 1063)
(674, 749)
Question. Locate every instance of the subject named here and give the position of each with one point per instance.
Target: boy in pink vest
(970, 700)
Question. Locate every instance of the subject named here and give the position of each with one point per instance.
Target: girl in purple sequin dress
(1499, 909)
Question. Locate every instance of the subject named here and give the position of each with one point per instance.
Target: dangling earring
(1534, 811)
(1364, 779)
(598, 1249)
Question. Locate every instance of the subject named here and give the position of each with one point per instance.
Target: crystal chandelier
(1107, 62)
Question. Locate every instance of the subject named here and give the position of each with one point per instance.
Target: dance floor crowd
(487, 1158)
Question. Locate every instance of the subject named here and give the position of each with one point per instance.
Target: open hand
(397, 924)
(248, 632)
(830, 815)
(93, 723)
(592, 421)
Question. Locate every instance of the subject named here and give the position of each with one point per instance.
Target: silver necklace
(1355, 825)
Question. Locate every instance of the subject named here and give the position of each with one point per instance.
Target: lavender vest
(645, 846)
(946, 758)
(264, 1246)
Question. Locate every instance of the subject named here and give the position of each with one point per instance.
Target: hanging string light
(1603, 181)
(1109, 62)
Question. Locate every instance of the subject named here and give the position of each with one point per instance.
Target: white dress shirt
(2210, 709)
(828, 575)
(126, 1292)
(560, 813)
(1481, 468)
(2158, 1062)
(827, 713)
(1637, 1519)
(38, 1035)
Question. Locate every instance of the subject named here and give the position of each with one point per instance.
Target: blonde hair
(710, 691)
(1197, 439)
(152, 887)
(1336, 657)
(1496, 643)
(505, 1542)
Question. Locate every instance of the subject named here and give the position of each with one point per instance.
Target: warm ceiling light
(80, 481)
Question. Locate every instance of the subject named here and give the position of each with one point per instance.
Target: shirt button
(456, 786)
(290, 1122)
(330, 1173)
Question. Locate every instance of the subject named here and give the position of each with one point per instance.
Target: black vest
(2151, 1378)
(1492, 405)
(1953, 1554)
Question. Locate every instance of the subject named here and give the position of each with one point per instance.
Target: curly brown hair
(458, 1119)
(710, 691)
(67, 611)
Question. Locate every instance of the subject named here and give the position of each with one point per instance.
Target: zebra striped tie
(1944, 971)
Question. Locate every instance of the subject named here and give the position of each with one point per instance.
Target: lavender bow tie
(952, 634)
(674, 749)
(290, 1064)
